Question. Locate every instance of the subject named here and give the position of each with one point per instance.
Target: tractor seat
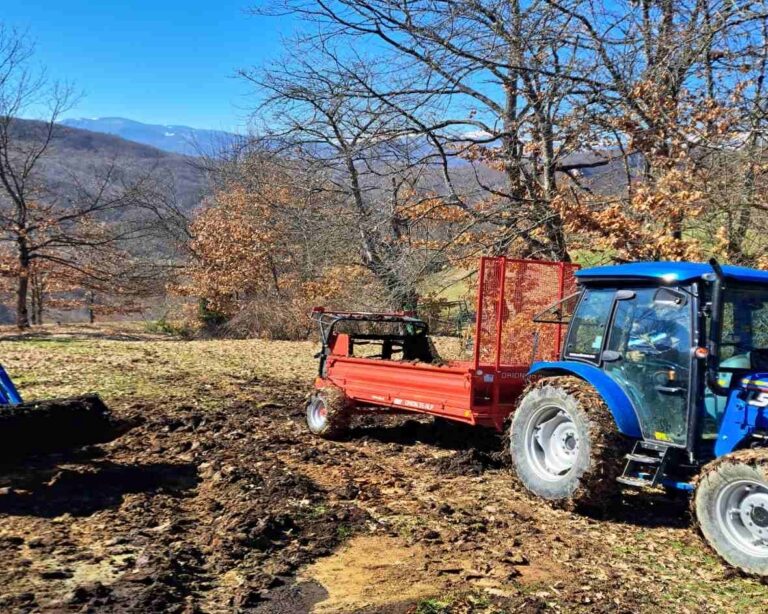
(758, 359)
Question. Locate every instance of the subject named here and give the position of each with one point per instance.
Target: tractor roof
(667, 272)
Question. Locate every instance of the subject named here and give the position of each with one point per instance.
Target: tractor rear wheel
(731, 508)
(564, 443)
(328, 413)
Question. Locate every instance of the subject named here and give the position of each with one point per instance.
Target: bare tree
(363, 156)
(71, 236)
(682, 91)
(23, 90)
(549, 90)
(505, 86)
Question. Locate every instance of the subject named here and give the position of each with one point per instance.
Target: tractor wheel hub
(743, 511)
(755, 511)
(553, 443)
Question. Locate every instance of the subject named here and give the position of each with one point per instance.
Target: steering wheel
(659, 369)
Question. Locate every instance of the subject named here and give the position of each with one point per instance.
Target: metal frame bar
(479, 316)
(559, 340)
(502, 282)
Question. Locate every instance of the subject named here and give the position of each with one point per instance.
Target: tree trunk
(22, 290)
(22, 313)
(91, 313)
(37, 290)
(33, 299)
(558, 247)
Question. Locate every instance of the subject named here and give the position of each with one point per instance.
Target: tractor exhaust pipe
(715, 329)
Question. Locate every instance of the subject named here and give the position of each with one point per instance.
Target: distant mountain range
(175, 139)
(77, 156)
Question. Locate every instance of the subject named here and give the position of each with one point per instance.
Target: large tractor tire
(328, 413)
(564, 444)
(731, 508)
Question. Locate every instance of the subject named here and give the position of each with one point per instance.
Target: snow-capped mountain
(172, 138)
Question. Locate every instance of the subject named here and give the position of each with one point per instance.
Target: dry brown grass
(123, 363)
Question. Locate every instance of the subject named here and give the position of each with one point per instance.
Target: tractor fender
(615, 398)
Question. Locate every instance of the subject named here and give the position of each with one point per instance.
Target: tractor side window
(745, 325)
(585, 339)
(744, 343)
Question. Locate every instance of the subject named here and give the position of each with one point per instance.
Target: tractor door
(649, 355)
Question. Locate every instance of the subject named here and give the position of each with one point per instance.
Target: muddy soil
(227, 504)
(189, 511)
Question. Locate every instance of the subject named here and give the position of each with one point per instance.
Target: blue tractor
(662, 382)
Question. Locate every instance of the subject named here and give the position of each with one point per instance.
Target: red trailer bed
(406, 376)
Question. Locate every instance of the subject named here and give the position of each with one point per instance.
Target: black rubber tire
(337, 413)
(437, 360)
(591, 482)
(714, 477)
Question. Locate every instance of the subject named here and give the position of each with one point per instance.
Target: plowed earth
(221, 501)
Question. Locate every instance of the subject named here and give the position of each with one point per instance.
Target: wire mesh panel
(511, 293)
(490, 275)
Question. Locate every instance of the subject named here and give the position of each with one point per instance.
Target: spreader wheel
(731, 508)
(564, 443)
(328, 412)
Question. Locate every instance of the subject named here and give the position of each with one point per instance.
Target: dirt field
(220, 501)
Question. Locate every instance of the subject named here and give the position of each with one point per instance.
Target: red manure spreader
(386, 361)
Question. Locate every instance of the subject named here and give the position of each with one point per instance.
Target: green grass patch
(169, 327)
(434, 606)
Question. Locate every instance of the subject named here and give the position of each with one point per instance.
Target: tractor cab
(684, 342)
(642, 335)
(680, 352)
(662, 382)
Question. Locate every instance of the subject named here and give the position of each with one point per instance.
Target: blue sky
(161, 61)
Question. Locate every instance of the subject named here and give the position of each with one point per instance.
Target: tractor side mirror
(669, 297)
(611, 356)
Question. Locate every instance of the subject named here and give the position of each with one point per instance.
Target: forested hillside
(76, 154)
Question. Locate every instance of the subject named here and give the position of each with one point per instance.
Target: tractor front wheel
(731, 508)
(328, 412)
(564, 443)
